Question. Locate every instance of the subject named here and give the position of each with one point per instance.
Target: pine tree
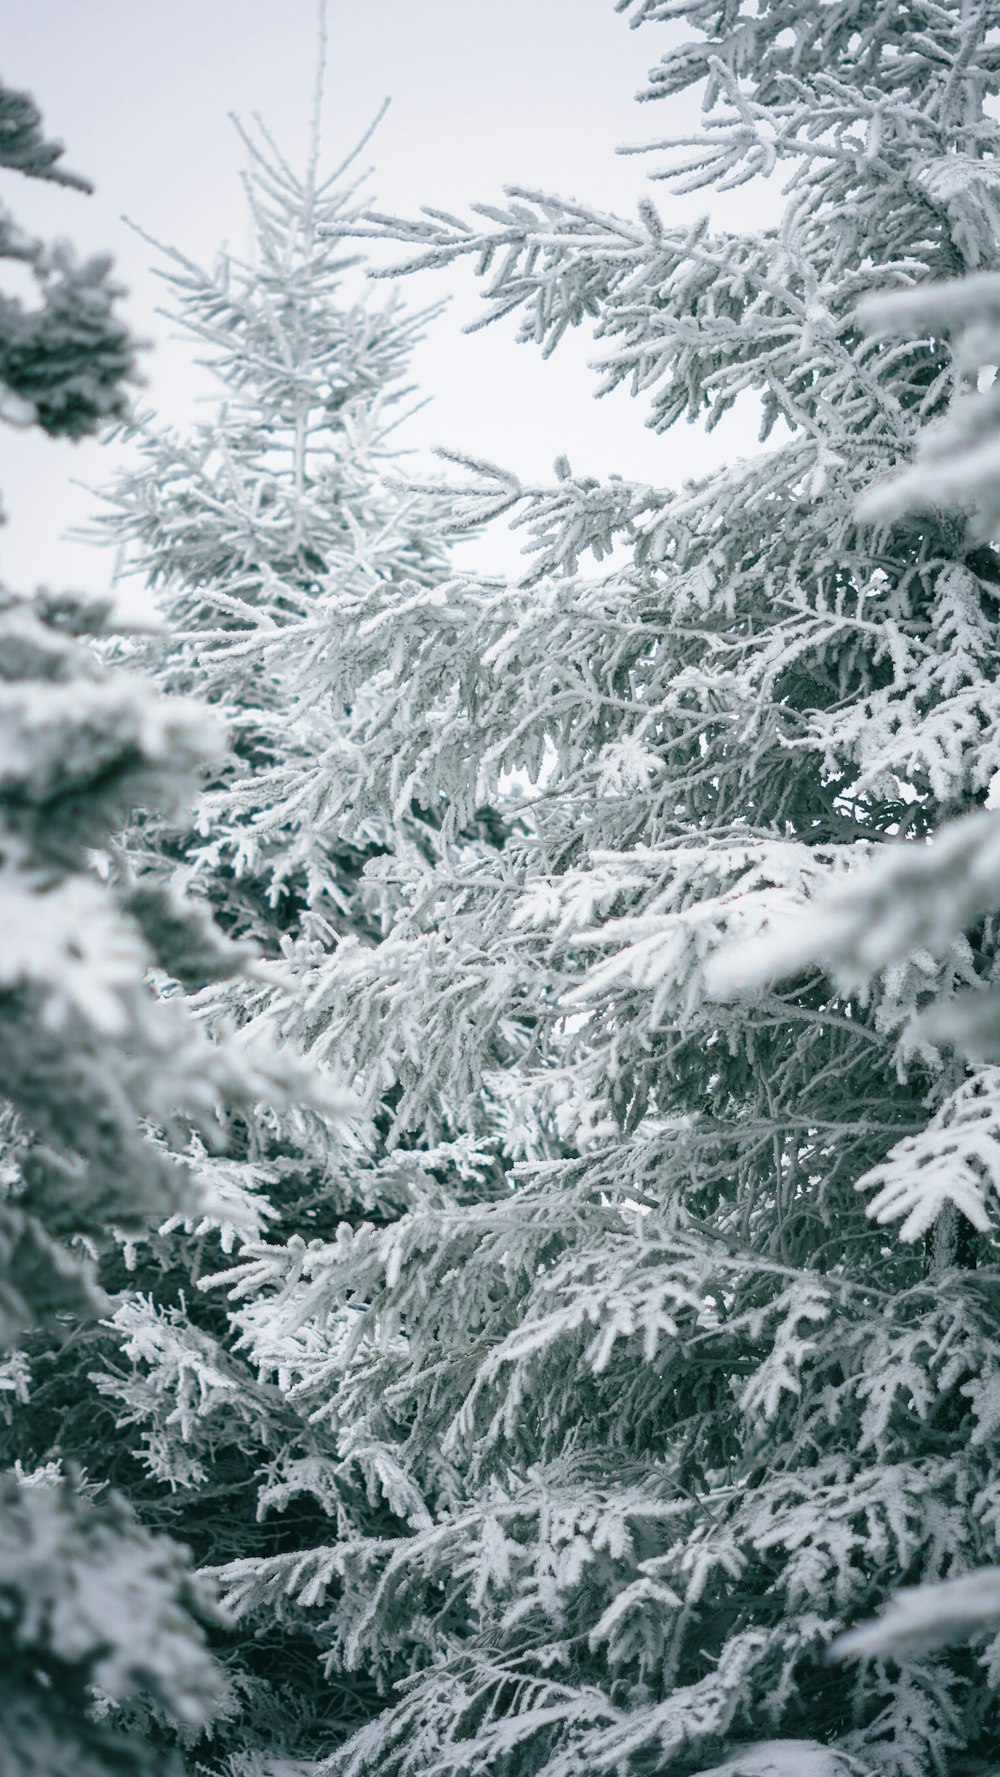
(273, 516)
(272, 509)
(702, 1415)
(919, 897)
(98, 1618)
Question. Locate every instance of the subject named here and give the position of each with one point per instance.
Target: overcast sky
(484, 93)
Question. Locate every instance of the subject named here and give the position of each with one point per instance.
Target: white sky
(535, 92)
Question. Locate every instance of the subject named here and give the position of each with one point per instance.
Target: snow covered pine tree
(916, 898)
(96, 1614)
(256, 533)
(701, 1416)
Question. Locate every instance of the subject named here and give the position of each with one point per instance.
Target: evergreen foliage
(695, 1415)
(256, 531)
(266, 515)
(63, 363)
(96, 1614)
(922, 897)
(575, 1417)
